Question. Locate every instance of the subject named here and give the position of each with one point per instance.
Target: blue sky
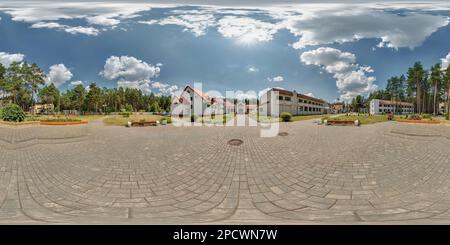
(329, 50)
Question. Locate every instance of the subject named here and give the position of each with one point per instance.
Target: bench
(144, 123)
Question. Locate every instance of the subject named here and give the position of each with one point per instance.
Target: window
(280, 97)
(287, 98)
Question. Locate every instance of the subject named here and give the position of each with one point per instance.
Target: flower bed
(63, 122)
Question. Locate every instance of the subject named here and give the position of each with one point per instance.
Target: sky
(328, 50)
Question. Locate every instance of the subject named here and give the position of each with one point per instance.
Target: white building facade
(386, 106)
(292, 102)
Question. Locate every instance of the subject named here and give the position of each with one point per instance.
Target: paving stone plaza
(381, 173)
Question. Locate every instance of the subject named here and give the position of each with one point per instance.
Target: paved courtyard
(387, 172)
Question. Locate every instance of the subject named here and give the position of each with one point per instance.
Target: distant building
(199, 103)
(42, 109)
(385, 106)
(443, 108)
(337, 107)
(292, 102)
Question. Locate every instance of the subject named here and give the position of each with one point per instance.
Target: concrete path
(387, 172)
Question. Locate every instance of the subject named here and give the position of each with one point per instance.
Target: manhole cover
(235, 142)
(283, 134)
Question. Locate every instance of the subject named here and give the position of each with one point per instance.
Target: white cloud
(131, 72)
(252, 69)
(310, 95)
(90, 31)
(128, 68)
(103, 20)
(318, 24)
(276, 79)
(148, 22)
(197, 24)
(104, 14)
(445, 61)
(58, 75)
(6, 58)
(164, 88)
(351, 78)
(100, 13)
(247, 30)
(314, 24)
(75, 83)
(49, 25)
(342, 24)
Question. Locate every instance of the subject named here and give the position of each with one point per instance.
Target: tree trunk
(32, 102)
(424, 108)
(418, 97)
(434, 99)
(448, 100)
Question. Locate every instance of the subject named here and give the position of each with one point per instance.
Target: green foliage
(49, 95)
(125, 113)
(155, 107)
(168, 119)
(286, 116)
(414, 117)
(357, 103)
(128, 108)
(427, 116)
(21, 81)
(13, 113)
(447, 117)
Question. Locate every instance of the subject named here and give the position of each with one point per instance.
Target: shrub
(427, 116)
(447, 117)
(125, 113)
(168, 119)
(286, 116)
(127, 107)
(414, 117)
(12, 113)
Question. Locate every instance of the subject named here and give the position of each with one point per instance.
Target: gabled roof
(200, 93)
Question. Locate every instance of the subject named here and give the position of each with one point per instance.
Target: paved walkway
(167, 175)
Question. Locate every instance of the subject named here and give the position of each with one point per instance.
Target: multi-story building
(276, 101)
(443, 107)
(385, 106)
(42, 109)
(337, 107)
(194, 101)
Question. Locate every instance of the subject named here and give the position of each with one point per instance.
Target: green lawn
(363, 119)
(87, 118)
(118, 120)
(218, 119)
(305, 117)
(266, 119)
